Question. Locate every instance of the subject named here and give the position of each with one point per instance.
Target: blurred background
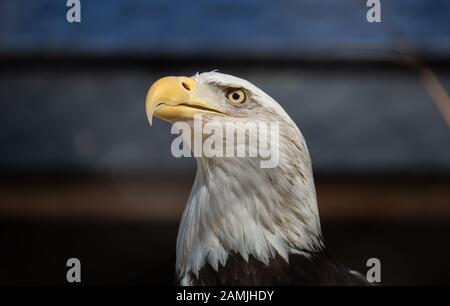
(83, 175)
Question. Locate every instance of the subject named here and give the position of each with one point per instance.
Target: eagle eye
(236, 96)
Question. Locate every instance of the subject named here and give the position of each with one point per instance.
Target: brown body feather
(311, 269)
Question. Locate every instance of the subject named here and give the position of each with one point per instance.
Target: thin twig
(428, 78)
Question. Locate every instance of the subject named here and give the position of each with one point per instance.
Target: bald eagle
(244, 224)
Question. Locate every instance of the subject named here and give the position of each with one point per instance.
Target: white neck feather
(236, 206)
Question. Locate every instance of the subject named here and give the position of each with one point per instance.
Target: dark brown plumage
(311, 269)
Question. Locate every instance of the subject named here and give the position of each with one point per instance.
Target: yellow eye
(236, 96)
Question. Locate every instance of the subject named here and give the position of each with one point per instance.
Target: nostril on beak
(186, 86)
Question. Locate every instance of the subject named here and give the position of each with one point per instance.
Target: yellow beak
(171, 99)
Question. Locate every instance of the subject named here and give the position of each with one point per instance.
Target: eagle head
(236, 206)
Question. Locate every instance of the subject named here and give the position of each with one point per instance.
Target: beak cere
(171, 99)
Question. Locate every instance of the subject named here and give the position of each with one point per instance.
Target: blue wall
(225, 27)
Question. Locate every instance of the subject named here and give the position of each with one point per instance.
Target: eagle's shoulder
(301, 269)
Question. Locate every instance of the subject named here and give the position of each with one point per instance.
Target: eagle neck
(245, 212)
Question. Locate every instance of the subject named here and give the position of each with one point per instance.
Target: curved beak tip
(150, 117)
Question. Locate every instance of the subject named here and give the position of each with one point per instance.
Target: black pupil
(236, 96)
